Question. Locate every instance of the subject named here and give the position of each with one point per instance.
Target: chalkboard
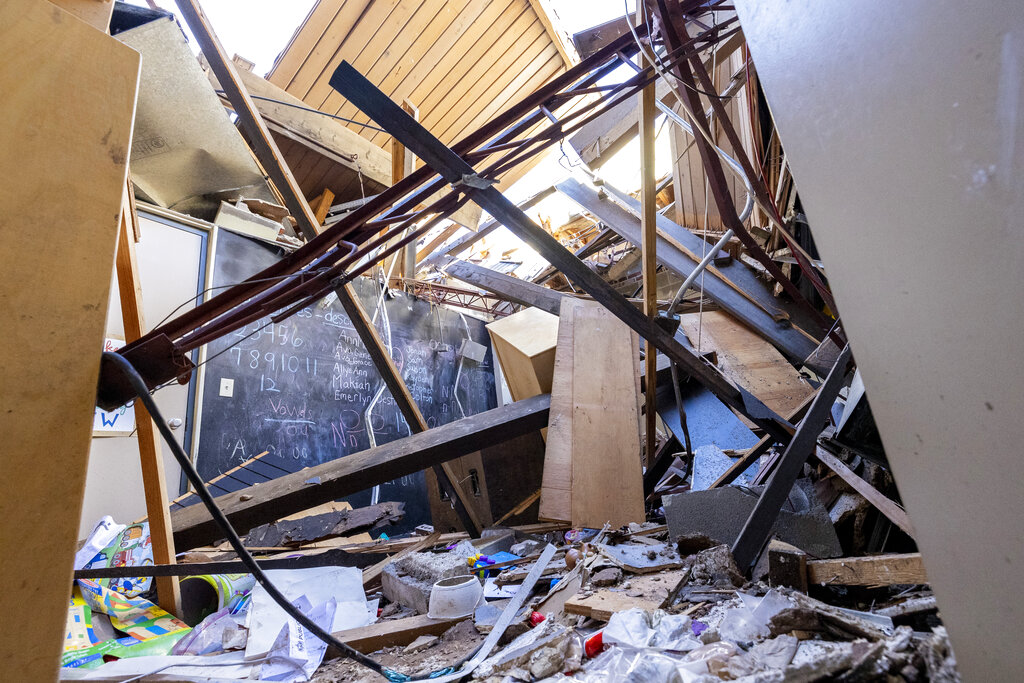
(300, 388)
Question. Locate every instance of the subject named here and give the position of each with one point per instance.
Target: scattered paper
(319, 585)
(297, 653)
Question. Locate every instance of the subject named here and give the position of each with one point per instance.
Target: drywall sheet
(904, 129)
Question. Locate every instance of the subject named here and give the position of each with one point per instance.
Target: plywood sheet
(748, 360)
(556, 483)
(63, 156)
(607, 479)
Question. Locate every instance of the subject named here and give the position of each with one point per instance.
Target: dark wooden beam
(345, 476)
(507, 287)
(648, 262)
(758, 528)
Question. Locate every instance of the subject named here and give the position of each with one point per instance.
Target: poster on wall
(120, 421)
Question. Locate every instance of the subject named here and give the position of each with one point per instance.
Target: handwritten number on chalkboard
(268, 384)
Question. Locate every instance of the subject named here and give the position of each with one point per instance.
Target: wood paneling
(692, 199)
(459, 61)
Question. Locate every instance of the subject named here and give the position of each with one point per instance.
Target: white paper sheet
(318, 584)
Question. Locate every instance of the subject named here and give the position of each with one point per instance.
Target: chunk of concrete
(408, 580)
(606, 577)
(721, 513)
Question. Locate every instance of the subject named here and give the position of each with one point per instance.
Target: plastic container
(455, 597)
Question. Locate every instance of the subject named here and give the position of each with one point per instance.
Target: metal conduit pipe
(708, 258)
(730, 162)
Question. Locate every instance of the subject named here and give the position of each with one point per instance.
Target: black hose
(139, 385)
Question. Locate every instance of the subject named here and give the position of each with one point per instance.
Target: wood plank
(305, 38)
(785, 337)
(603, 603)
(151, 457)
(469, 109)
(193, 526)
(605, 422)
(896, 514)
(417, 41)
(322, 205)
(68, 106)
(556, 482)
(403, 81)
(747, 359)
(549, 19)
(353, 25)
(390, 633)
(377, 30)
(877, 570)
(648, 261)
(507, 287)
(471, 77)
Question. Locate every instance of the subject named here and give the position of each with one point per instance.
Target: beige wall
(904, 123)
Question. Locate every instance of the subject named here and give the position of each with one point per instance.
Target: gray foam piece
(710, 462)
(721, 513)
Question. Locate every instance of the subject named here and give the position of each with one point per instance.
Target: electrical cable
(139, 386)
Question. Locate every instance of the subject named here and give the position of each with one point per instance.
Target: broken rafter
(507, 287)
(250, 507)
(757, 529)
(454, 169)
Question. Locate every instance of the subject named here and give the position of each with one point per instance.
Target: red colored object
(536, 618)
(594, 645)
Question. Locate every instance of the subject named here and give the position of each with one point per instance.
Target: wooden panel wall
(692, 196)
(459, 61)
